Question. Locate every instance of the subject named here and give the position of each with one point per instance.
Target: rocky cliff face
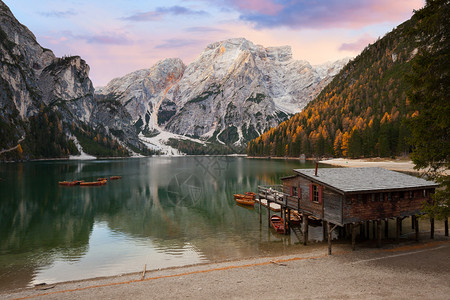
(33, 79)
(230, 94)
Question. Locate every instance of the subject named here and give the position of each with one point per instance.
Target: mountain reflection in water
(163, 212)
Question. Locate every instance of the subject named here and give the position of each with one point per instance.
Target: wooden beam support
(260, 211)
(268, 212)
(446, 226)
(361, 230)
(413, 221)
(330, 230)
(305, 228)
(416, 228)
(431, 228)
(374, 227)
(386, 228)
(367, 230)
(325, 230)
(378, 233)
(353, 236)
(397, 228)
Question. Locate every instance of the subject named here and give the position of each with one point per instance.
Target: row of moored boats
(100, 181)
(249, 199)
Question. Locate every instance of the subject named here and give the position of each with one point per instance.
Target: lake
(164, 212)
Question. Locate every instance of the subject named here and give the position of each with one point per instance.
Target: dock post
(367, 230)
(353, 236)
(289, 220)
(325, 229)
(378, 233)
(413, 221)
(268, 212)
(432, 228)
(397, 228)
(374, 232)
(329, 237)
(259, 202)
(386, 228)
(362, 230)
(305, 228)
(446, 226)
(416, 228)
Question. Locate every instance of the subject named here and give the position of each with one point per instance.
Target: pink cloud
(357, 45)
(266, 7)
(326, 13)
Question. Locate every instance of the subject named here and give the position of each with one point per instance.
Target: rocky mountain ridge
(46, 97)
(233, 92)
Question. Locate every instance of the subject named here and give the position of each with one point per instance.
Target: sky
(117, 37)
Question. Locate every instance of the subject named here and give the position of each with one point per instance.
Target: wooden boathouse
(351, 198)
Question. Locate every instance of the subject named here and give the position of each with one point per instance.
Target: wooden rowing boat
(277, 223)
(244, 199)
(93, 183)
(251, 194)
(70, 183)
(295, 219)
(115, 177)
(102, 179)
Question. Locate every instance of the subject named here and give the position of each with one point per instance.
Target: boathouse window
(315, 193)
(381, 196)
(373, 197)
(411, 194)
(389, 196)
(294, 191)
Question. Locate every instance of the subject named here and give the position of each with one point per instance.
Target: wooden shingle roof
(352, 180)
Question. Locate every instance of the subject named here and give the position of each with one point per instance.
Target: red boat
(93, 183)
(102, 179)
(244, 199)
(115, 177)
(295, 219)
(251, 194)
(70, 183)
(277, 223)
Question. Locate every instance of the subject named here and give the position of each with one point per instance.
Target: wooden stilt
(329, 237)
(325, 229)
(378, 233)
(397, 228)
(353, 226)
(260, 211)
(361, 230)
(386, 228)
(268, 212)
(367, 230)
(413, 221)
(401, 226)
(374, 226)
(432, 228)
(305, 229)
(289, 221)
(446, 226)
(416, 228)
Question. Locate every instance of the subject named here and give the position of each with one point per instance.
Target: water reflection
(164, 212)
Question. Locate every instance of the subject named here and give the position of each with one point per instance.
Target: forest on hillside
(363, 112)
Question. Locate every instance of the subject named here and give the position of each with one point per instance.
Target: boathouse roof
(351, 180)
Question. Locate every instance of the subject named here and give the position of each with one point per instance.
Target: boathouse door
(332, 208)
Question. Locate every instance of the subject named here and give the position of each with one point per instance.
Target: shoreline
(365, 273)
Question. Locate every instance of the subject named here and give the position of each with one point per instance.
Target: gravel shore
(396, 271)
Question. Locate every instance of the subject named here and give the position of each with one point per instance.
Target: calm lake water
(164, 212)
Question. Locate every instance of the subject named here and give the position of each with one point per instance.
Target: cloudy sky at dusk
(116, 37)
